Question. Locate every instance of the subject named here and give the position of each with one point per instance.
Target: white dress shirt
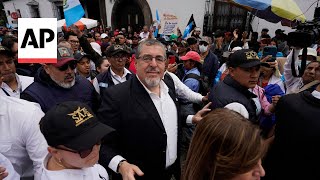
(20, 138)
(316, 94)
(115, 78)
(144, 35)
(168, 113)
(184, 92)
(96, 172)
(119, 79)
(4, 162)
(23, 83)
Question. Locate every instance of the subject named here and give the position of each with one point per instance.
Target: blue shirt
(192, 83)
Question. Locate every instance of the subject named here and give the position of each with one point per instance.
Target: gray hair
(149, 42)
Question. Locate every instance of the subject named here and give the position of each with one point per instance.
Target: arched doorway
(135, 13)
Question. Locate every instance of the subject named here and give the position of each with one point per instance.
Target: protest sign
(169, 24)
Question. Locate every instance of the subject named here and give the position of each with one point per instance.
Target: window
(227, 17)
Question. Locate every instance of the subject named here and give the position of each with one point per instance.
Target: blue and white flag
(190, 26)
(187, 30)
(73, 11)
(155, 34)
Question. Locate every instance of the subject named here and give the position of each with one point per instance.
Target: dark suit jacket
(294, 154)
(140, 136)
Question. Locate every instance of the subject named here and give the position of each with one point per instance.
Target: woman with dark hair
(225, 146)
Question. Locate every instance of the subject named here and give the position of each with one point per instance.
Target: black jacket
(294, 153)
(140, 137)
(229, 91)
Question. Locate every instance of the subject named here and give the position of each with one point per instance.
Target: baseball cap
(197, 29)
(115, 49)
(310, 52)
(64, 56)
(163, 41)
(4, 50)
(104, 35)
(135, 37)
(80, 55)
(205, 39)
(191, 55)
(192, 41)
(245, 58)
(218, 34)
(173, 37)
(279, 31)
(74, 125)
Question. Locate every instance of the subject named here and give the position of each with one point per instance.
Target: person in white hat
(297, 84)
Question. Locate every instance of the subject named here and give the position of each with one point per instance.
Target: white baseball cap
(310, 52)
(104, 35)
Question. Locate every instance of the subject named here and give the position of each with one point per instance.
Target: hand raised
(128, 171)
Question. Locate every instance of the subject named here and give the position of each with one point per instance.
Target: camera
(307, 33)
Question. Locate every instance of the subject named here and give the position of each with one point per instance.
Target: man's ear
(231, 71)
(46, 67)
(52, 150)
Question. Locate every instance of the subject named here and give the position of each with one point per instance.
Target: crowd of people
(131, 105)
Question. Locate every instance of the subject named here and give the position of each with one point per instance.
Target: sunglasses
(83, 153)
(71, 64)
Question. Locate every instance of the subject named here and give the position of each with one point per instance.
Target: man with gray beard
(144, 112)
(55, 83)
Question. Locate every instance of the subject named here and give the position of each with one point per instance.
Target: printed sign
(169, 24)
(37, 40)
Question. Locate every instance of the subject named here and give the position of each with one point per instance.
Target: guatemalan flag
(73, 11)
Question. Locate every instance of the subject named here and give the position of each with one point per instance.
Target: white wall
(258, 24)
(45, 9)
(181, 8)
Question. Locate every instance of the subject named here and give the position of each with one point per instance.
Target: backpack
(202, 89)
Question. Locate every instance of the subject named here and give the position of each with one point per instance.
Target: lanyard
(5, 92)
(119, 82)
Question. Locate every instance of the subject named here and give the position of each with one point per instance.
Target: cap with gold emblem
(245, 58)
(74, 125)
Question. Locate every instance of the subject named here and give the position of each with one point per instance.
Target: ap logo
(37, 40)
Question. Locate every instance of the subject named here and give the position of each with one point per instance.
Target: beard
(65, 84)
(152, 82)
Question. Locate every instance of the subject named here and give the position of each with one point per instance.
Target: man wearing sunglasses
(74, 135)
(58, 82)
